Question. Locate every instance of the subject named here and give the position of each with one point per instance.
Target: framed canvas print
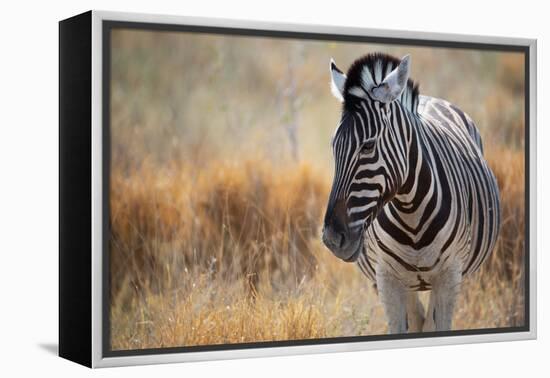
(234, 189)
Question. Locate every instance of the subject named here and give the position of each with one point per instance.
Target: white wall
(28, 165)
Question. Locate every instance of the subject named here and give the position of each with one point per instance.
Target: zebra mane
(379, 65)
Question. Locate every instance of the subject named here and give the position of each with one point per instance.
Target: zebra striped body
(449, 208)
(413, 201)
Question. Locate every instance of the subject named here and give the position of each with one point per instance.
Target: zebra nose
(334, 239)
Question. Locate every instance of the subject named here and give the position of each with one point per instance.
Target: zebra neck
(420, 184)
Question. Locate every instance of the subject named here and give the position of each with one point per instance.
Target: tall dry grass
(230, 253)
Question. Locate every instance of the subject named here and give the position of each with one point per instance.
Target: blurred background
(220, 172)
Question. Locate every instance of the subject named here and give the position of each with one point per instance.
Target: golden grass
(230, 253)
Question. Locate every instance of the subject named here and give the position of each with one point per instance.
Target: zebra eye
(368, 146)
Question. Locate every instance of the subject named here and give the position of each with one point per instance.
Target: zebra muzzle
(343, 244)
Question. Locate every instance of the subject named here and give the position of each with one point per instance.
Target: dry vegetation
(211, 246)
(228, 255)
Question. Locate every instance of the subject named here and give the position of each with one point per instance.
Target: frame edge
(75, 272)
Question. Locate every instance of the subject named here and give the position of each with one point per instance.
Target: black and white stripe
(412, 177)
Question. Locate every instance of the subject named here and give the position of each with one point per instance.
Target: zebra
(413, 200)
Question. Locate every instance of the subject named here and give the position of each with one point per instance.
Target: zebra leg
(429, 322)
(445, 291)
(415, 312)
(393, 296)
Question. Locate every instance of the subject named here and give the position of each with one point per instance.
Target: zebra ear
(394, 84)
(338, 80)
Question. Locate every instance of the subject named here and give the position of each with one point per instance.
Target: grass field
(228, 255)
(216, 210)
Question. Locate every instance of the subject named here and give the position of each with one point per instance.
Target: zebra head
(369, 149)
